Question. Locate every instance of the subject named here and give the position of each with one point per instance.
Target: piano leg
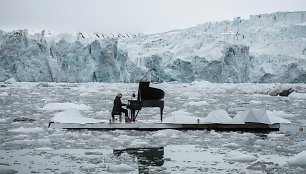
(161, 113)
(132, 114)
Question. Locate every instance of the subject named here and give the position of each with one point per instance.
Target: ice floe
(275, 135)
(27, 130)
(239, 157)
(298, 160)
(65, 106)
(181, 116)
(43, 149)
(73, 116)
(35, 142)
(121, 168)
(199, 103)
(4, 94)
(298, 96)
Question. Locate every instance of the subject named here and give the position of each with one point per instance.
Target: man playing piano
(117, 108)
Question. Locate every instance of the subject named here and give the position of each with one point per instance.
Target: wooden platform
(142, 126)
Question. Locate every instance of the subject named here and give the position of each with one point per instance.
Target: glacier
(266, 48)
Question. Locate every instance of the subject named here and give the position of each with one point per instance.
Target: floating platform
(151, 126)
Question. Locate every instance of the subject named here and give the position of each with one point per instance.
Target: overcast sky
(130, 16)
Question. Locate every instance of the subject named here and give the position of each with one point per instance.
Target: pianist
(117, 108)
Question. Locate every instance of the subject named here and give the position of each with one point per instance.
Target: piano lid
(145, 92)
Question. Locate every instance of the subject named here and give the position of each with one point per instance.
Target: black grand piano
(147, 97)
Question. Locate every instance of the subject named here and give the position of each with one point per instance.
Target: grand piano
(147, 97)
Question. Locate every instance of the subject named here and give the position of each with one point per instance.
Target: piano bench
(119, 114)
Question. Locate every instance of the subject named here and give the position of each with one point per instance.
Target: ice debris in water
(65, 106)
(27, 130)
(73, 116)
(121, 168)
(239, 157)
(298, 160)
(4, 94)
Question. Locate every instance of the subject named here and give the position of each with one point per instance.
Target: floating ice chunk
(298, 145)
(280, 114)
(40, 142)
(199, 103)
(255, 102)
(166, 133)
(4, 94)
(299, 96)
(2, 120)
(138, 143)
(215, 134)
(65, 106)
(27, 130)
(261, 142)
(181, 119)
(246, 171)
(43, 149)
(181, 116)
(73, 116)
(298, 160)
(275, 136)
(181, 113)
(240, 157)
(218, 116)
(121, 168)
(230, 145)
(10, 81)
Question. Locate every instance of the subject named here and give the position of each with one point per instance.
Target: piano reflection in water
(147, 97)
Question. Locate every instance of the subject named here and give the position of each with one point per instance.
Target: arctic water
(29, 146)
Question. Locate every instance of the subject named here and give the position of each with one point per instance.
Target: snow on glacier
(266, 48)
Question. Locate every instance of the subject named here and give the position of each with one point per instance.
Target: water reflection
(146, 157)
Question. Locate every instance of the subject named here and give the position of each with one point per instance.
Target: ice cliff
(263, 49)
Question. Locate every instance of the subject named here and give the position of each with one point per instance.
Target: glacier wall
(266, 48)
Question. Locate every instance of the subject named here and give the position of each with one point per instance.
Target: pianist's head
(119, 94)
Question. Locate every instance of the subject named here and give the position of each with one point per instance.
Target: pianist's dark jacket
(117, 105)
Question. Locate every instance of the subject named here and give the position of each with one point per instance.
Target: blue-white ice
(266, 48)
(31, 147)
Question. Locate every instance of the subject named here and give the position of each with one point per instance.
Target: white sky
(130, 16)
